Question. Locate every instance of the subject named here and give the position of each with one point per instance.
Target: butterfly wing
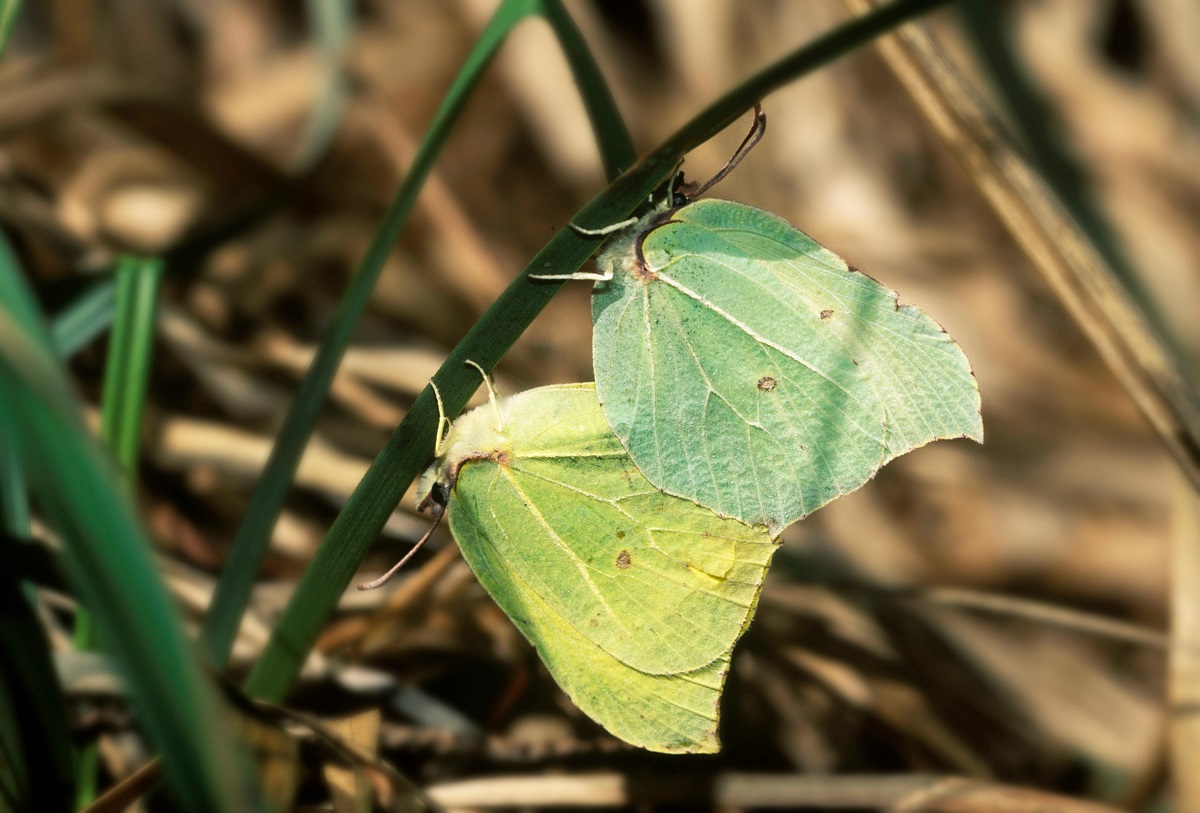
(634, 599)
(752, 371)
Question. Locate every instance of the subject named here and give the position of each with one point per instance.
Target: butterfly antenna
(487, 380)
(387, 577)
(748, 143)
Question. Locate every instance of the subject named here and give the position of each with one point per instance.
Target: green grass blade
(8, 14)
(16, 300)
(129, 352)
(14, 493)
(612, 136)
(253, 536)
(121, 407)
(107, 556)
(89, 315)
(35, 754)
(36, 771)
(411, 444)
(331, 22)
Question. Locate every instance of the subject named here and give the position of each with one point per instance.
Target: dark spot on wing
(827, 313)
(624, 560)
(766, 383)
(620, 534)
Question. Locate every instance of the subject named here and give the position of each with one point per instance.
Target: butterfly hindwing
(634, 599)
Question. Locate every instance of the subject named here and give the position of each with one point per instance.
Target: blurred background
(216, 135)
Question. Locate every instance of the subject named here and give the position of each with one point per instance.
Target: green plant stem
(88, 315)
(130, 350)
(14, 491)
(14, 494)
(411, 444)
(36, 770)
(108, 560)
(253, 536)
(8, 15)
(122, 405)
(616, 148)
(331, 22)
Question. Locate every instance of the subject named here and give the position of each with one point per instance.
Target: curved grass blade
(411, 444)
(14, 492)
(89, 315)
(8, 14)
(612, 137)
(122, 403)
(35, 754)
(107, 557)
(237, 579)
(331, 22)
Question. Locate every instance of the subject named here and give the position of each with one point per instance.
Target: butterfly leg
(590, 275)
(603, 276)
(604, 231)
(443, 425)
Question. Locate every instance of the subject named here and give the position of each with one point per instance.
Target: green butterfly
(746, 367)
(632, 598)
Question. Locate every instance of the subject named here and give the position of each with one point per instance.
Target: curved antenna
(757, 128)
(387, 577)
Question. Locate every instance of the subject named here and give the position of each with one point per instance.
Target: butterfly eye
(438, 494)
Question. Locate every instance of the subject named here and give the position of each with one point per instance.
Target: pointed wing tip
(709, 744)
(977, 435)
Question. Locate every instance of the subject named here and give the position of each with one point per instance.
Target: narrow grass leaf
(8, 14)
(14, 493)
(122, 404)
(331, 22)
(108, 559)
(16, 300)
(612, 136)
(88, 315)
(35, 753)
(130, 349)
